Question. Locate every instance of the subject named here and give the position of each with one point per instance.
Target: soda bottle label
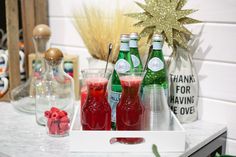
(122, 66)
(124, 46)
(133, 43)
(157, 45)
(155, 64)
(114, 100)
(135, 61)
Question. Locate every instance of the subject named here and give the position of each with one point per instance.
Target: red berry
(62, 114)
(64, 126)
(54, 109)
(61, 132)
(47, 114)
(54, 129)
(65, 119)
(55, 115)
(49, 123)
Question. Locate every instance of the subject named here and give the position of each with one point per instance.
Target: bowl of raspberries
(58, 122)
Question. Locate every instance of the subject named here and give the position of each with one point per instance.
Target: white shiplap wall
(215, 56)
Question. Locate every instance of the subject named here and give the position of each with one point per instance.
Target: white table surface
(20, 136)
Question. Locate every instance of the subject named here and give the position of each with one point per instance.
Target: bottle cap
(53, 56)
(124, 37)
(133, 35)
(157, 37)
(41, 31)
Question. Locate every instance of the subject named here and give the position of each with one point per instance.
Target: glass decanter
(96, 111)
(130, 110)
(23, 96)
(55, 94)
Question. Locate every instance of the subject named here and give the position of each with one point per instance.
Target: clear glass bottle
(54, 89)
(123, 64)
(184, 86)
(157, 115)
(134, 52)
(156, 70)
(23, 96)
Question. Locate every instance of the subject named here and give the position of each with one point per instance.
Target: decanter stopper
(41, 31)
(41, 36)
(53, 56)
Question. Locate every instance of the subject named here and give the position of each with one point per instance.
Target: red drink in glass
(96, 111)
(129, 111)
(83, 96)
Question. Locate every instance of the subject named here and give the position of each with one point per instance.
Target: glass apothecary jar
(55, 96)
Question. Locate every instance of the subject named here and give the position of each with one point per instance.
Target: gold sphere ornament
(165, 17)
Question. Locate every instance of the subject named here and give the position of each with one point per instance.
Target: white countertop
(20, 136)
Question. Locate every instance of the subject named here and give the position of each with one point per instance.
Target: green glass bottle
(123, 64)
(156, 72)
(133, 44)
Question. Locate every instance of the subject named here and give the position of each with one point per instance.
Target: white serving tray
(99, 141)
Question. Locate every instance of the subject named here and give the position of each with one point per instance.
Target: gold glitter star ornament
(165, 17)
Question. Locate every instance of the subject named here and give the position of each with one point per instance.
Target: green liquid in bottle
(133, 44)
(156, 72)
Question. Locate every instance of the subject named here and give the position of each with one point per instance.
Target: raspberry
(54, 109)
(47, 114)
(65, 119)
(49, 123)
(55, 115)
(62, 113)
(64, 126)
(62, 132)
(54, 129)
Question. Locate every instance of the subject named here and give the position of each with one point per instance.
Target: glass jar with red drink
(96, 111)
(83, 91)
(130, 110)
